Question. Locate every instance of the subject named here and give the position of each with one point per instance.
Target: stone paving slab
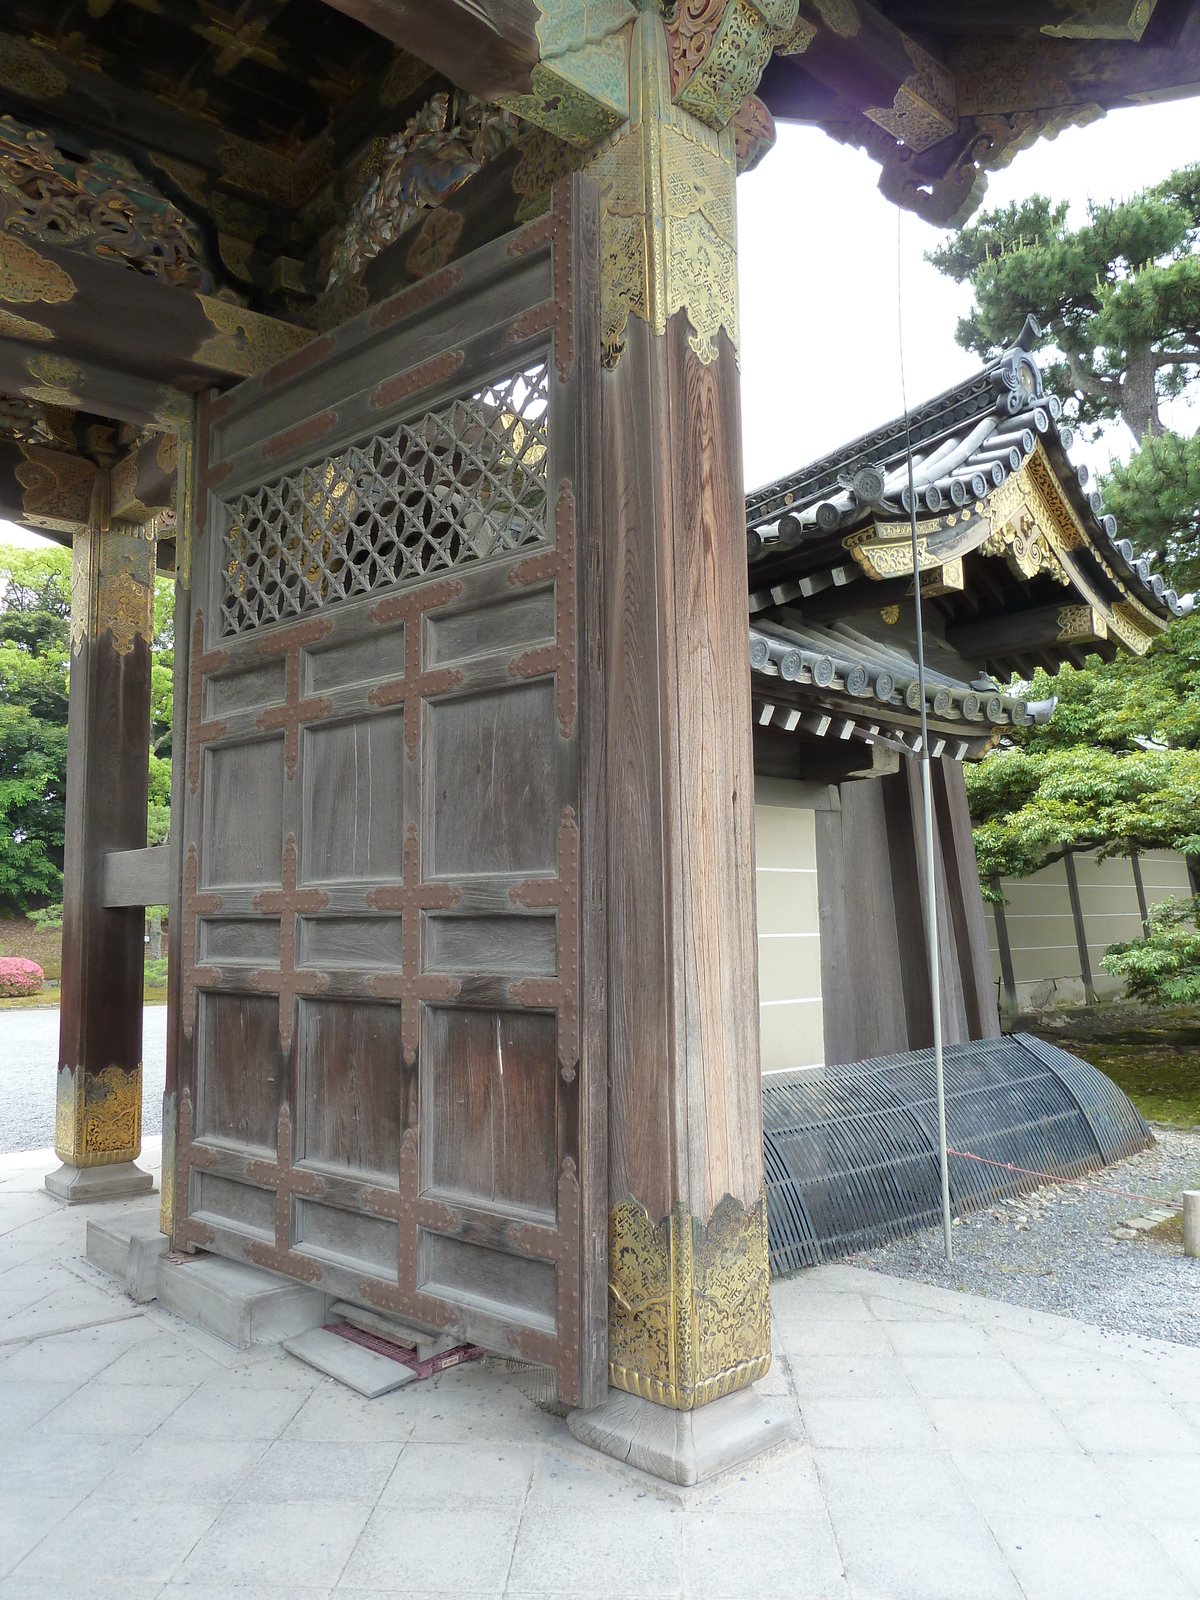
(952, 1447)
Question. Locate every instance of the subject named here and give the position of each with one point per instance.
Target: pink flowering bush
(19, 977)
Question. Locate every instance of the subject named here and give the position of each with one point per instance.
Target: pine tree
(1119, 297)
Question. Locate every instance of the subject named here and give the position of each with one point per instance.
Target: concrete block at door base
(80, 1186)
(243, 1305)
(1191, 1222)
(128, 1246)
(360, 1369)
(685, 1447)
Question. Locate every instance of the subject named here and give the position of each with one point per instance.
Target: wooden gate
(392, 1080)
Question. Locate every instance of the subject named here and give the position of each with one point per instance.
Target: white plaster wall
(1041, 930)
(789, 939)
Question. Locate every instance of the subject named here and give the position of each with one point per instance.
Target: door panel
(386, 1088)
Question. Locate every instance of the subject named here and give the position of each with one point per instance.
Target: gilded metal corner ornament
(245, 342)
(98, 1117)
(668, 229)
(689, 1316)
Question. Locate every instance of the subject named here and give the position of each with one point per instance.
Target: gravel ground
(29, 1070)
(1054, 1249)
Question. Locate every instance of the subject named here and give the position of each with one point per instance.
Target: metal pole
(935, 983)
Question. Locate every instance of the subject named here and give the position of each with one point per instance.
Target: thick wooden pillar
(98, 1123)
(689, 1309)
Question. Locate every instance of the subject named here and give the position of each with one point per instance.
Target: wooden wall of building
(865, 937)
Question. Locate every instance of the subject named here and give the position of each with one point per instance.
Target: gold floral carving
(28, 71)
(26, 276)
(753, 133)
(840, 17)
(123, 588)
(1080, 622)
(245, 342)
(14, 327)
(58, 379)
(56, 488)
(924, 110)
(668, 238)
(689, 1302)
(98, 1117)
(730, 55)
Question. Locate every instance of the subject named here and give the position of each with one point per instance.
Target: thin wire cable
(935, 985)
(1079, 1183)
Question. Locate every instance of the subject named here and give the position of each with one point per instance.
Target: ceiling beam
(116, 317)
(489, 47)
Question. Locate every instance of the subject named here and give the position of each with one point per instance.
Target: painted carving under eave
(451, 138)
(102, 206)
(718, 50)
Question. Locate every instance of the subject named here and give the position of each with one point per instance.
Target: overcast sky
(818, 253)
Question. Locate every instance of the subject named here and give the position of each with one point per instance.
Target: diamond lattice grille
(460, 484)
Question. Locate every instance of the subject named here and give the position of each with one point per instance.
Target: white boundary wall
(1041, 928)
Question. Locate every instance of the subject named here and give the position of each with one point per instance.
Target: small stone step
(128, 1246)
(241, 1304)
(359, 1369)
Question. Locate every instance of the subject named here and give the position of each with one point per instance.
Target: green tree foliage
(35, 625)
(1119, 297)
(1155, 498)
(1118, 765)
(1164, 967)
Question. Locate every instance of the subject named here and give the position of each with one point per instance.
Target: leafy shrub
(46, 917)
(19, 977)
(1164, 967)
(155, 972)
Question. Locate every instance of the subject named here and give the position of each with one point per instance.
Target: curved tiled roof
(1005, 523)
(966, 443)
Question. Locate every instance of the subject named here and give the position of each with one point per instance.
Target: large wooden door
(392, 1073)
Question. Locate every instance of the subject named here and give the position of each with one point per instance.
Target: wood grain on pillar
(686, 1109)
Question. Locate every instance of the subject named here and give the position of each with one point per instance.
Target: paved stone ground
(954, 1449)
(1058, 1248)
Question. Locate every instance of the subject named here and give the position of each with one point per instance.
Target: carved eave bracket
(1029, 523)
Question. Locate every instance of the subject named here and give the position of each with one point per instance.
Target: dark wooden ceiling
(276, 72)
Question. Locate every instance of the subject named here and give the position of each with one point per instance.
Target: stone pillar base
(79, 1186)
(685, 1447)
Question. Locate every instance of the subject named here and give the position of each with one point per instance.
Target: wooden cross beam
(296, 709)
(287, 903)
(114, 317)
(410, 985)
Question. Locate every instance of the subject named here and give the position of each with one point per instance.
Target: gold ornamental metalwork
(26, 276)
(245, 341)
(166, 1204)
(125, 607)
(668, 227)
(14, 327)
(98, 1117)
(689, 1302)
